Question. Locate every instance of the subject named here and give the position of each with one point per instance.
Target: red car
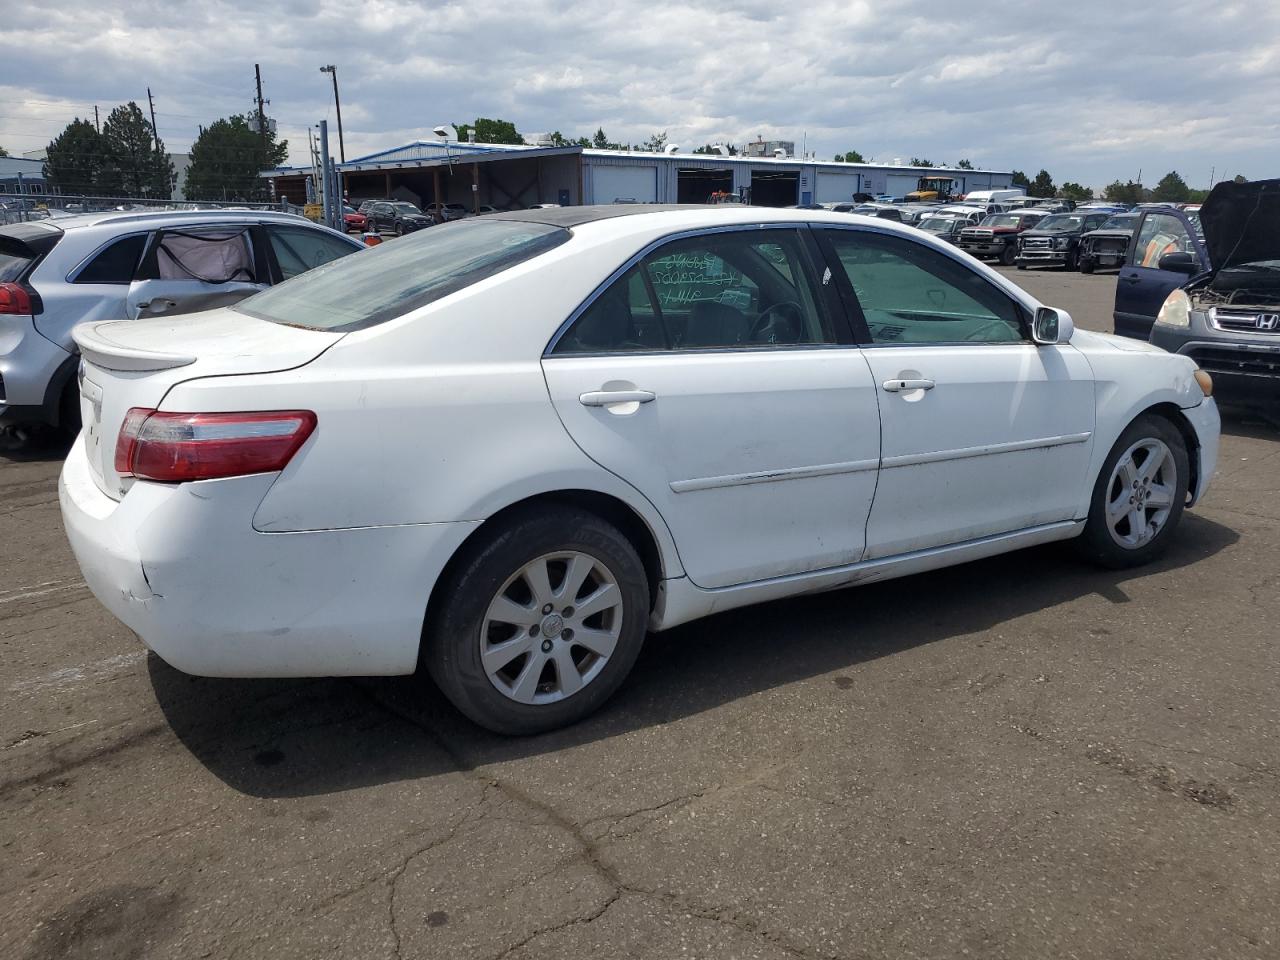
(353, 218)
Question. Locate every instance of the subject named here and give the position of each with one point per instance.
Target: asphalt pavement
(1024, 757)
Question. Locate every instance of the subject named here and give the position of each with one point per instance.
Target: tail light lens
(14, 299)
(176, 447)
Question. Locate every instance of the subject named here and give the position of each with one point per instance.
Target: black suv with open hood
(1227, 317)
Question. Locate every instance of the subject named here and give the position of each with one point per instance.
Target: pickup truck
(996, 237)
(1107, 245)
(1055, 240)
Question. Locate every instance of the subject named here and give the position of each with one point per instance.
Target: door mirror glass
(1179, 262)
(1052, 325)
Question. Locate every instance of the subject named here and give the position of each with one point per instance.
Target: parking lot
(1021, 757)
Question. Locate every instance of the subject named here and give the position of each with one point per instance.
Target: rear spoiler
(103, 352)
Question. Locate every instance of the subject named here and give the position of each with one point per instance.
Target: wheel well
(603, 505)
(1172, 413)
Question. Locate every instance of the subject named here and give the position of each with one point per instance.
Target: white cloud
(1091, 96)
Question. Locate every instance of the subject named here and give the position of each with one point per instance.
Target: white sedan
(507, 448)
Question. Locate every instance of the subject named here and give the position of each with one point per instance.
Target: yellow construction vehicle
(932, 188)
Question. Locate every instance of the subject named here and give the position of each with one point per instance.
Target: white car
(507, 448)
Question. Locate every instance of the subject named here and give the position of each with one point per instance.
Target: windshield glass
(1122, 222)
(405, 207)
(1001, 220)
(389, 280)
(937, 225)
(1060, 222)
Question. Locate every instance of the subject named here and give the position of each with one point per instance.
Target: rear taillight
(14, 299)
(175, 447)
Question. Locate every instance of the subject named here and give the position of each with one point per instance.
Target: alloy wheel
(1140, 493)
(551, 628)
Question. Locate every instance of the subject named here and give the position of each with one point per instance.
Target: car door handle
(1130, 279)
(901, 386)
(605, 398)
(159, 304)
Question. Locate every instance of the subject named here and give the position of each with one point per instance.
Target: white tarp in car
(210, 257)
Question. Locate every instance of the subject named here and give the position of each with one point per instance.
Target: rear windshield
(391, 279)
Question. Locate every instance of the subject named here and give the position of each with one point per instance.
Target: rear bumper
(182, 566)
(33, 370)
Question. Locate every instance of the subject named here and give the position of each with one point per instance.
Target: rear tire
(1139, 495)
(506, 645)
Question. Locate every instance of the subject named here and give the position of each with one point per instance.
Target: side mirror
(1180, 263)
(1052, 325)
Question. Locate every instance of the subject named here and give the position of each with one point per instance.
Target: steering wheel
(774, 319)
(996, 324)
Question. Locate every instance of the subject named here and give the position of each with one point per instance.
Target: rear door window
(299, 249)
(115, 263)
(205, 255)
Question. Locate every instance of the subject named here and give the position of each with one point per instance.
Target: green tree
(1076, 192)
(3, 152)
(582, 142)
(849, 156)
(713, 148)
(1239, 178)
(920, 162)
(600, 141)
(1172, 188)
(135, 163)
(963, 165)
(74, 158)
(1042, 185)
(1129, 192)
(490, 131)
(226, 159)
(656, 143)
(1019, 179)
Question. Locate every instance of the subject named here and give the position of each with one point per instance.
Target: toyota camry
(506, 449)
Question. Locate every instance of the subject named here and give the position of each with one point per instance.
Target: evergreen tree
(226, 159)
(135, 163)
(849, 156)
(74, 159)
(1172, 189)
(1042, 185)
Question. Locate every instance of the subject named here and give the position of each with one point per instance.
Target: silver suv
(55, 274)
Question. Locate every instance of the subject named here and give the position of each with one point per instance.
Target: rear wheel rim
(1140, 493)
(550, 630)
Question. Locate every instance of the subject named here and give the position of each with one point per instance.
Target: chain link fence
(23, 207)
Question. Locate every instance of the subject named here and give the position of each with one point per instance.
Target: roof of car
(82, 220)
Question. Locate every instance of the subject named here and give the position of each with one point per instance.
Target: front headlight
(1176, 310)
(1061, 244)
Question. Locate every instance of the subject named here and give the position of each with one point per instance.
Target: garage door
(833, 186)
(900, 184)
(624, 183)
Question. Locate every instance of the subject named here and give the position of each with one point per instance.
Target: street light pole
(337, 106)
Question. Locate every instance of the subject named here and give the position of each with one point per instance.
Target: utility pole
(96, 125)
(155, 134)
(262, 117)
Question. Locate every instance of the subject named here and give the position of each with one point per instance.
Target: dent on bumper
(183, 568)
(1207, 423)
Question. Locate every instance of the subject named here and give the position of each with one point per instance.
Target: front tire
(399, 229)
(541, 621)
(1139, 495)
(1087, 265)
(1008, 254)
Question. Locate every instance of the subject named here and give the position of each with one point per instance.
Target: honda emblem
(1267, 321)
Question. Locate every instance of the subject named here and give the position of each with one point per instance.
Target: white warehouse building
(611, 175)
(430, 172)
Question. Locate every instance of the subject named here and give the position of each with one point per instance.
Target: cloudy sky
(1093, 91)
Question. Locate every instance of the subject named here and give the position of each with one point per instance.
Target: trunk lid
(134, 363)
(1241, 223)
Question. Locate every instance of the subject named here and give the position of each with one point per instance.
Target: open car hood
(1241, 223)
